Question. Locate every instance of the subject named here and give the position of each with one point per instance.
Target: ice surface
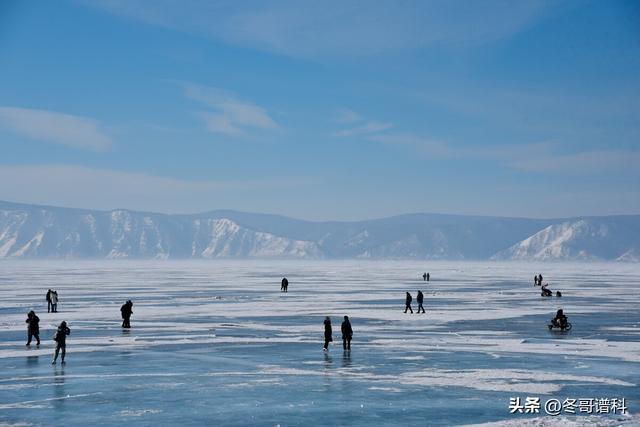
(216, 343)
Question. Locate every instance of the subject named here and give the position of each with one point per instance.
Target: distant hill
(32, 231)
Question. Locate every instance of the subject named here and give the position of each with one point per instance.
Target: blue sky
(322, 110)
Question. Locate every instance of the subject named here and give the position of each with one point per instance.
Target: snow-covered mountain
(605, 238)
(30, 231)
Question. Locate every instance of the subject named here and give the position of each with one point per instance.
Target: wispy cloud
(54, 127)
(367, 128)
(426, 146)
(228, 115)
(80, 186)
(347, 116)
(336, 27)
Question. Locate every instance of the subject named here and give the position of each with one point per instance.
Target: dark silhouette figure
(424, 277)
(327, 333)
(54, 301)
(127, 311)
(539, 279)
(48, 298)
(284, 287)
(428, 276)
(545, 292)
(61, 340)
(420, 299)
(407, 303)
(535, 280)
(33, 327)
(560, 320)
(347, 333)
(558, 294)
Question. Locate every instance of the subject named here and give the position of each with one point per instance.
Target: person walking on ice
(33, 328)
(48, 298)
(327, 333)
(54, 301)
(407, 303)
(284, 287)
(347, 334)
(61, 341)
(420, 299)
(126, 310)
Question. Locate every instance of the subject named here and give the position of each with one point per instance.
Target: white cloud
(336, 27)
(78, 186)
(53, 127)
(364, 129)
(231, 116)
(426, 146)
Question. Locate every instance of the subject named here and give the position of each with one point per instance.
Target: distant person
(48, 298)
(424, 277)
(126, 310)
(407, 303)
(61, 341)
(560, 320)
(284, 287)
(327, 333)
(539, 279)
(428, 276)
(54, 301)
(347, 333)
(535, 280)
(33, 327)
(545, 292)
(558, 294)
(420, 299)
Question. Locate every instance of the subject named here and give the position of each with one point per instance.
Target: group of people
(345, 328)
(52, 301)
(560, 320)
(33, 331)
(60, 337)
(426, 277)
(409, 298)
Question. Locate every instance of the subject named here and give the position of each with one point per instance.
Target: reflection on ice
(218, 343)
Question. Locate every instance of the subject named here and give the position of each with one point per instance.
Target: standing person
(33, 327)
(535, 280)
(54, 301)
(539, 279)
(407, 303)
(327, 333)
(48, 298)
(347, 334)
(424, 277)
(126, 310)
(61, 340)
(420, 299)
(428, 276)
(285, 285)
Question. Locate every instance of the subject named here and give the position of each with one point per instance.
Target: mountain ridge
(40, 231)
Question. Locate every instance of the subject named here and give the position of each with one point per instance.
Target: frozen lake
(217, 343)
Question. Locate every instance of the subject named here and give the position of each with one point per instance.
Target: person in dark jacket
(347, 333)
(535, 280)
(428, 277)
(48, 298)
(33, 327)
(61, 341)
(545, 292)
(560, 320)
(126, 310)
(420, 299)
(285, 285)
(407, 303)
(327, 333)
(424, 277)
